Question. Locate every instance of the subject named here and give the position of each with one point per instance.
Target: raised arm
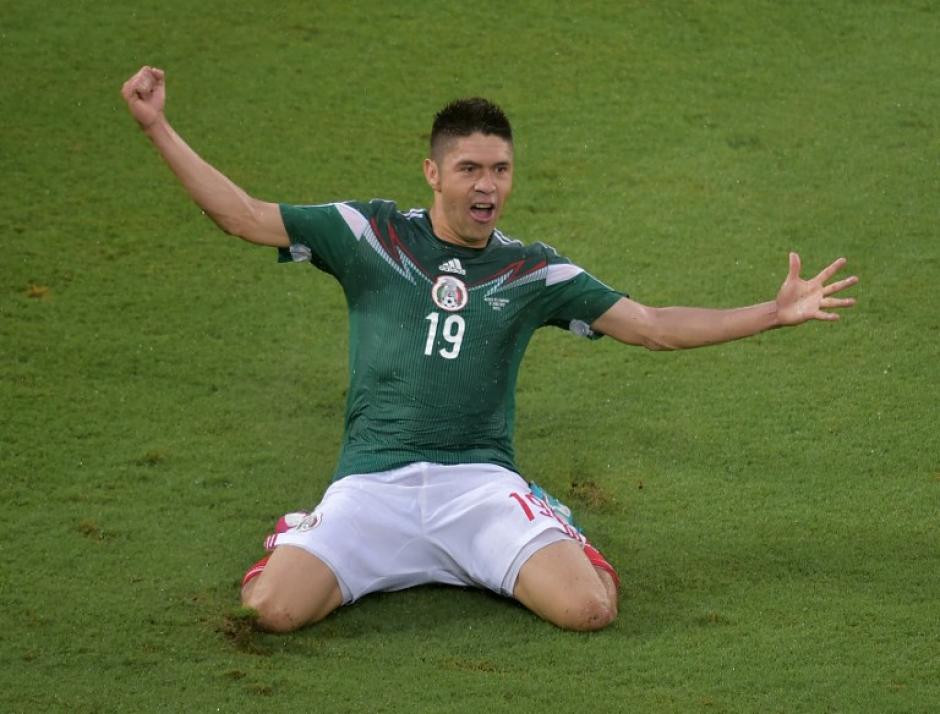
(674, 328)
(233, 210)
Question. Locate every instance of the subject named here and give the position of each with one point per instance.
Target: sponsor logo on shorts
(310, 521)
(449, 293)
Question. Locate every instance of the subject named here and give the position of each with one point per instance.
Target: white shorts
(471, 524)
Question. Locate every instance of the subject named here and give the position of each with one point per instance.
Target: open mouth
(483, 212)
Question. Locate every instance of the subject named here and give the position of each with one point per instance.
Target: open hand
(145, 94)
(801, 300)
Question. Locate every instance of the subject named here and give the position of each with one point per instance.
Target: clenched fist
(145, 94)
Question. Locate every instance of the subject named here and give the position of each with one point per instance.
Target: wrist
(772, 314)
(158, 125)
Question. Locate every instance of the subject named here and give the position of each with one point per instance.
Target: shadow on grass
(428, 609)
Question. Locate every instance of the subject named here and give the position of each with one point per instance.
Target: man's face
(472, 178)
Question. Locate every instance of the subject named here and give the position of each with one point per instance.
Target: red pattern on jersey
(512, 272)
(393, 246)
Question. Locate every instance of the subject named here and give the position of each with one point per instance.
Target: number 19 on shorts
(450, 333)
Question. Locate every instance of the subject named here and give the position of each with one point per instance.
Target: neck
(444, 232)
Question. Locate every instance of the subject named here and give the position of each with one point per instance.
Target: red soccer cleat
(284, 523)
(599, 561)
(255, 570)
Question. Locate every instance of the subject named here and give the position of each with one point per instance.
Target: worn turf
(167, 391)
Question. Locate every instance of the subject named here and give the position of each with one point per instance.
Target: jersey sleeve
(574, 298)
(325, 234)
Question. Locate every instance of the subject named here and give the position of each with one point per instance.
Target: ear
(432, 175)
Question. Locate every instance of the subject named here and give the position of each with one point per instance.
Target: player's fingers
(841, 285)
(131, 90)
(127, 89)
(836, 302)
(829, 316)
(141, 84)
(145, 84)
(830, 270)
(795, 266)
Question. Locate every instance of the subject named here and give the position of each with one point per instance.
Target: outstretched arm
(233, 210)
(673, 328)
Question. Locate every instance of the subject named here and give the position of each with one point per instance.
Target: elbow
(652, 333)
(631, 323)
(237, 228)
(658, 341)
(235, 213)
(228, 227)
(231, 224)
(242, 223)
(654, 345)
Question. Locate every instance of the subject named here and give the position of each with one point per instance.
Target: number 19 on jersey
(451, 332)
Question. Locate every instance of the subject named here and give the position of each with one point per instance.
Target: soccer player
(441, 308)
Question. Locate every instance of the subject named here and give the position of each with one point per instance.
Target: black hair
(463, 117)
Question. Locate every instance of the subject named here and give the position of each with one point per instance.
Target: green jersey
(436, 331)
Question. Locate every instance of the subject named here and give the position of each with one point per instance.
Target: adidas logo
(452, 266)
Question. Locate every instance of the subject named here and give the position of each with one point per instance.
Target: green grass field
(167, 391)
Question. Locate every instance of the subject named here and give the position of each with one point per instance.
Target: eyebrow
(471, 162)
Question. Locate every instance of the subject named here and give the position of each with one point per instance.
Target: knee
(588, 613)
(273, 615)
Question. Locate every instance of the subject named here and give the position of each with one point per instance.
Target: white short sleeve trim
(356, 222)
(561, 273)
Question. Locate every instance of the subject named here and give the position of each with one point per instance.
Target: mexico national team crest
(449, 293)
